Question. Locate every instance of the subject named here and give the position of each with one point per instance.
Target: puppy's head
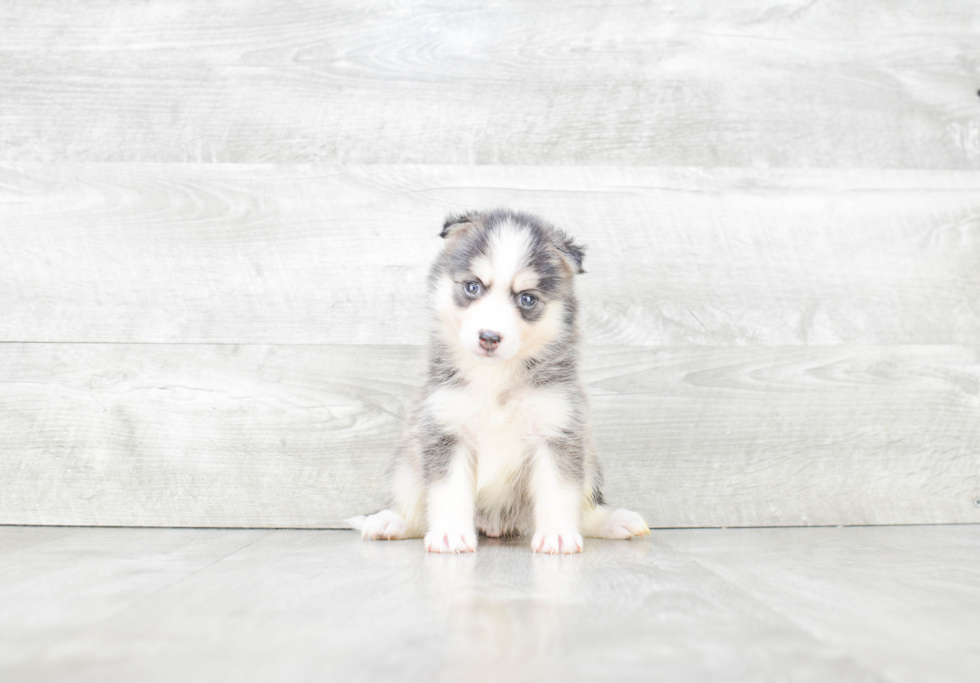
(503, 284)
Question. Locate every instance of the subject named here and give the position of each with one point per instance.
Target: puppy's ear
(571, 252)
(458, 222)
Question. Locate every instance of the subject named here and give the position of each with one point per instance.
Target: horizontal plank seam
(348, 528)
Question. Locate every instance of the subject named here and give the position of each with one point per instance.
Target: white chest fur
(501, 428)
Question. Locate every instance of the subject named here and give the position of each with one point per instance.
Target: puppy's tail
(357, 522)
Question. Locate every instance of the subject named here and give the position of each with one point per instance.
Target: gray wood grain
(298, 436)
(865, 604)
(215, 223)
(835, 582)
(105, 571)
(311, 254)
(763, 83)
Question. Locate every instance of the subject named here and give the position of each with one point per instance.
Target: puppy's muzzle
(489, 340)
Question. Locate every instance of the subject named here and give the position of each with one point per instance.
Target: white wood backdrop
(790, 83)
(215, 224)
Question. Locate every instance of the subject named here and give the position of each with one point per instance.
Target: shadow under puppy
(499, 439)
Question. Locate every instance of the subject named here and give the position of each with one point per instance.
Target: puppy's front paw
(557, 543)
(386, 525)
(622, 524)
(450, 541)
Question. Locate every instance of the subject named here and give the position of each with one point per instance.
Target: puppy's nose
(489, 340)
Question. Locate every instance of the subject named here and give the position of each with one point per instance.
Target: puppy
(499, 439)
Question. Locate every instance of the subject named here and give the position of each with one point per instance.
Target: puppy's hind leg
(385, 525)
(599, 521)
(403, 519)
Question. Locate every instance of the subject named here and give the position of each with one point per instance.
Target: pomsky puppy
(499, 439)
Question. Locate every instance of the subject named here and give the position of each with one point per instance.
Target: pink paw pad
(557, 544)
(450, 542)
(385, 525)
(623, 524)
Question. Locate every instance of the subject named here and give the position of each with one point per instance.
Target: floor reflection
(508, 610)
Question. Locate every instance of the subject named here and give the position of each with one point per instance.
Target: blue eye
(527, 300)
(472, 287)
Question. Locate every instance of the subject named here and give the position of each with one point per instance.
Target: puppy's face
(503, 285)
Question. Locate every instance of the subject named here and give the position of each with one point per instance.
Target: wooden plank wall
(215, 224)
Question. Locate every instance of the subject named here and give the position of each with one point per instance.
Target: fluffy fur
(499, 439)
